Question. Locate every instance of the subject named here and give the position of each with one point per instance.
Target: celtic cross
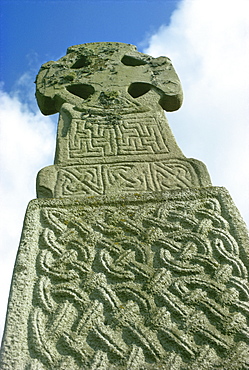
(112, 129)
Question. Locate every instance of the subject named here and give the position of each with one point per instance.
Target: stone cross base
(152, 281)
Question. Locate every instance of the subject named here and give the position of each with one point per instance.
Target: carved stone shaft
(135, 261)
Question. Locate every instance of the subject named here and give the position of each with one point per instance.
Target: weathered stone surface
(137, 262)
(112, 133)
(156, 281)
(104, 75)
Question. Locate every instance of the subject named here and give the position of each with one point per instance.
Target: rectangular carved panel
(130, 282)
(98, 136)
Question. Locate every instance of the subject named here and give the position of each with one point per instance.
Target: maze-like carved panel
(126, 177)
(109, 135)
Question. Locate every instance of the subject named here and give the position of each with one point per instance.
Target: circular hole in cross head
(129, 60)
(81, 90)
(137, 89)
(83, 61)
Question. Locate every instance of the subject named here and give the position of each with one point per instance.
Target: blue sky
(37, 31)
(207, 41)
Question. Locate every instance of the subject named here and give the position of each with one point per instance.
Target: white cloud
(26, 145)
(207, 41)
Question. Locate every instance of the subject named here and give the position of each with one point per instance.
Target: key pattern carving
(110, 135)
(140, 286)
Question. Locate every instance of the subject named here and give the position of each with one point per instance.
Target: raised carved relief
(138, 263)
(102, 136)
(111, 101)
(140, 285)
(100, 179)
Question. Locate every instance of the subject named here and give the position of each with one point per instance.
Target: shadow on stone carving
(129, 258)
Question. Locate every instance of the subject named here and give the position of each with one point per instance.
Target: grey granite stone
(129, 258)
(113, 135)
(146, 281)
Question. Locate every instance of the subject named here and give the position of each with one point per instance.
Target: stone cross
(129, 259)
(113, 135)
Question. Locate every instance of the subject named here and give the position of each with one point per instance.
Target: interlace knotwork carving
(140, 286)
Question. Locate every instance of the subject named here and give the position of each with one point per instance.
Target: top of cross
(101, 74)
